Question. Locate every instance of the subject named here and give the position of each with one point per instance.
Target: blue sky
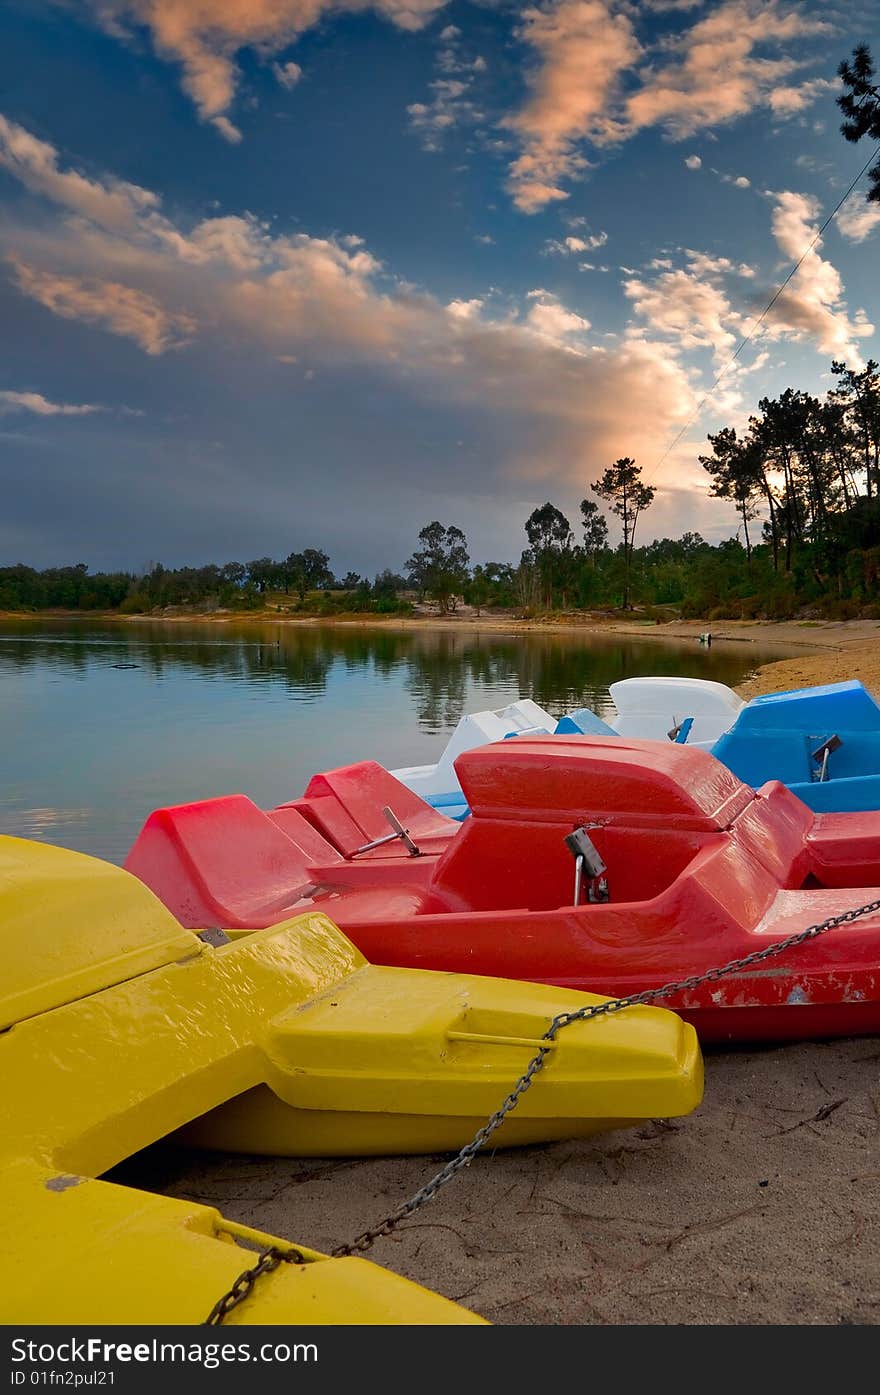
(278, 273)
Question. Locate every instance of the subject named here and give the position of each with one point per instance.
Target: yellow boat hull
(124, 1028)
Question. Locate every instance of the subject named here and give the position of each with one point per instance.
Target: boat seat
(345, 805)
(308, 838)
(219, 862)
(616, 780)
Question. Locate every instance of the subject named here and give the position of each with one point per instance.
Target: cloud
(205, 36)
(107, 304)
(710, 74)
(287, 74)
(464, 309)
(449, 107)
(715, 74)
(550, 320)
(688, 306)
(569, 246)
(451, 103)
(857, 219)
(693, 162)
(547, 398)
(812, 304)
(41, 406)
(788, 101)
(583, 48)
(112, 203)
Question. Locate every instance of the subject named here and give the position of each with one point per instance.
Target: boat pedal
(589, 866)
(399, 832)
(820, 757)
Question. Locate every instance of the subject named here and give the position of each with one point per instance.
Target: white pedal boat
(694, 710)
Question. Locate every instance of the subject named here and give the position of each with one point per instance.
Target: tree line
(803, 479)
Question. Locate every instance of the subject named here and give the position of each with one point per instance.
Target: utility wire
(764, 313)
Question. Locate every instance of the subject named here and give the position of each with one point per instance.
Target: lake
(103, 721)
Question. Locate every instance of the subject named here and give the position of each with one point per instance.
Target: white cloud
(857, 219)
(569, 246)
(693, 162)
(550, 320)
(41, 406)
(812, 305)
(688, 307)
(464, 309)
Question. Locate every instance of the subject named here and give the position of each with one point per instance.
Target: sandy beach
(763, 1207)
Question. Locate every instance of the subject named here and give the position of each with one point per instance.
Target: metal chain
(271, 1258)
(240, 1290)
(367, 1238)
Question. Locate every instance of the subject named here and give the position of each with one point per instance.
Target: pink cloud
(108, 304)
(205, 36)
(582, 49)
(708, 75)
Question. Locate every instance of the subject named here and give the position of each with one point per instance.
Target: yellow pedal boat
(118, 1027)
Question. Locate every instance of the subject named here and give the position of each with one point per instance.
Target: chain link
(271, 1258)
(241, 1289)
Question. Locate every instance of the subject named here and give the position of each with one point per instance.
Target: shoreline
(809, 634)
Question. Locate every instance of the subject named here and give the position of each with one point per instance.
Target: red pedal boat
(684, 868)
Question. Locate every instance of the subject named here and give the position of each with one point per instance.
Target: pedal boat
(701, 869)
(118, 1027)
(684, 709)
(822, 741)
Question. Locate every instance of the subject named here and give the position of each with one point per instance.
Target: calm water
(102, 722)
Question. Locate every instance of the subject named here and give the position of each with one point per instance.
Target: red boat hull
(702, 870)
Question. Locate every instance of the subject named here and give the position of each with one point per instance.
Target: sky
(278, 274)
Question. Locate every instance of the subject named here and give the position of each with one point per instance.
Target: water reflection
(103, 721)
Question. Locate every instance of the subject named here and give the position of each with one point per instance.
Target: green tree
(440, 568)
(307, 571)
(263, 572)
(860, 105)
(628, 496)
(595, 527)
(736, 474)
(550, 542)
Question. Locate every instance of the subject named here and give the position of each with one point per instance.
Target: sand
(762, 1207)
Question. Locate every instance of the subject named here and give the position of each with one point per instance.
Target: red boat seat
(223, 862)
(314, 846)
(218, 862)
(346, 805)
(627, 783)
